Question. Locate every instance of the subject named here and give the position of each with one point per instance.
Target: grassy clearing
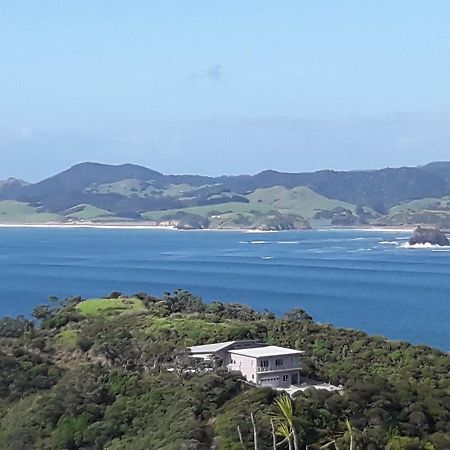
(139, 188)
(178, 190)
(87, 212)
(425, 211)
(67, 338)
(207, 210)
(128, 188)
(99, 306)
(300, 200)
(424, 204)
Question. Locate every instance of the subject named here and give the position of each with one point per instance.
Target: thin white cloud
(212, 73)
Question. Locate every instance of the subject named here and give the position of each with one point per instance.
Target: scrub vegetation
(113, 373)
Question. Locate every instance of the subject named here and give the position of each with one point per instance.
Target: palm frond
(285, 408)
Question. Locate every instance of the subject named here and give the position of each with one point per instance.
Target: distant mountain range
(92, 192)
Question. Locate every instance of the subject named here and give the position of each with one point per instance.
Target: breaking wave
(426, 246)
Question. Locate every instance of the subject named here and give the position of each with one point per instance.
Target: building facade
(259, 363)
(267, 366)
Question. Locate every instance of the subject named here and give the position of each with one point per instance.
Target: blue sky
(217, 87)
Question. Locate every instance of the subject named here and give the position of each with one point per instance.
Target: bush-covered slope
(113, 374)
(269, 199)
(426, 211)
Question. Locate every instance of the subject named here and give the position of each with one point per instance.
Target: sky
(223, 87)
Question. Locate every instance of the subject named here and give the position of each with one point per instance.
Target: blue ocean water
(361, 279)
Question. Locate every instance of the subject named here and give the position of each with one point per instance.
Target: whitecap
(266, 257)
(259, 242)
(426, 246)
(388, 242)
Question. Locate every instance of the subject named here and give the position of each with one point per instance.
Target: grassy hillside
(210, 206)
(139, 188)
(128, 190)
(301, 200)
(87, 212)
(113, 373)
(424, 204)
(427, 211)
(18, 212)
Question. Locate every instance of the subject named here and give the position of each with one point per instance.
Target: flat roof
(210, 348)
(270, 350)
(217, 346)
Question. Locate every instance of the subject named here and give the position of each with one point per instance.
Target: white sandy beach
(149, 226)
(124, 226)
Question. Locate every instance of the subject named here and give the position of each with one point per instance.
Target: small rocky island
(432, 236)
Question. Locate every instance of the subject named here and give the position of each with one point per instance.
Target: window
(285, 377)
(253, 376)
(278, 362)
(264, 363)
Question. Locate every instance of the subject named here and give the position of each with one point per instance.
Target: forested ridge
(112, 373)
(269, 200)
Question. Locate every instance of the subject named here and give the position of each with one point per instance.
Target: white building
(259, 363)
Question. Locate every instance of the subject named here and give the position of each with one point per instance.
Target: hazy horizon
(361, 169)
(223, 87)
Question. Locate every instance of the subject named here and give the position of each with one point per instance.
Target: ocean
(367, 280)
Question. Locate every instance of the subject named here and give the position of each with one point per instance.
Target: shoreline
(148, 226)
(125, 226)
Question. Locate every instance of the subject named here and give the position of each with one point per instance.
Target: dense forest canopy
(113, 373)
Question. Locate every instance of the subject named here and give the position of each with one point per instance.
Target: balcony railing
(274, 368)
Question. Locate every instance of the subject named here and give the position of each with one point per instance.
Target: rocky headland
(432, 236)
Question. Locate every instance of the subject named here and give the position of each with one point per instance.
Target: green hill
(88, 212)
(301, 200)
(427, 211)
(267, 200)
(113, 373)
(18, 212)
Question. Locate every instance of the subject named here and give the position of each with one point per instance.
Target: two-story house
(259, 363)
(267, 366)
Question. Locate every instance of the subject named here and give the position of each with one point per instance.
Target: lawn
(98, 306)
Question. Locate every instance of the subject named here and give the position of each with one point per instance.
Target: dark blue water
(360, 279)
